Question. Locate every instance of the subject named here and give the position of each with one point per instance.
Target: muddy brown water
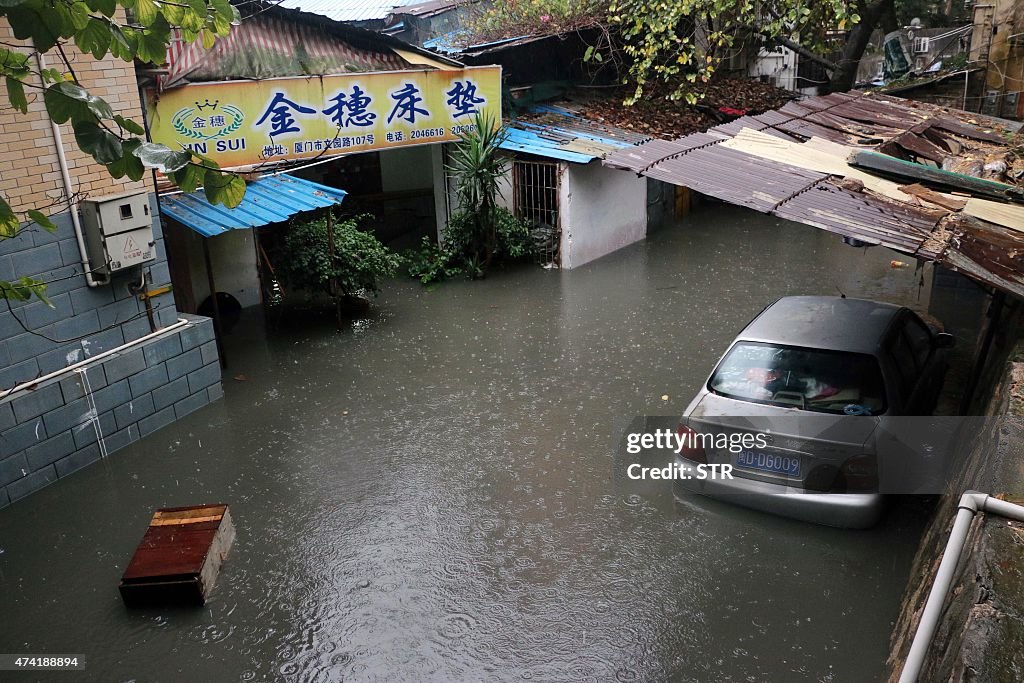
(430, 494)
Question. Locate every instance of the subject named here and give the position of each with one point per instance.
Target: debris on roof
(563, 132)
(795, 163)
(723, 100)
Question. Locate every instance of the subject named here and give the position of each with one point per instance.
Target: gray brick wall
(36, 339)
(51, 431)
(59, 426)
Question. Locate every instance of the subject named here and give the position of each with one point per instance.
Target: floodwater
(431, 494)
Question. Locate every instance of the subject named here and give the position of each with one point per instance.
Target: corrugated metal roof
(347, 10)
(268, 200)
(560, 133)
(746, 173)
(269, 45)
(428, 9)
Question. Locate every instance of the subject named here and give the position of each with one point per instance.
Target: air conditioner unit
(118, 233)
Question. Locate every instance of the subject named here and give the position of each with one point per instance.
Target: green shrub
(360, 260)
(431, 263)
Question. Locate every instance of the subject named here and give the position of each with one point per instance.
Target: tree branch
(802, 51)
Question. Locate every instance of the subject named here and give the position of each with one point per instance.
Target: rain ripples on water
(431, 495)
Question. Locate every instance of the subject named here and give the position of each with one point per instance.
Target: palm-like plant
(477, 165)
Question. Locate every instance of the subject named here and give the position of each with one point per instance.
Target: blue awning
(268, 200)
(561, 133)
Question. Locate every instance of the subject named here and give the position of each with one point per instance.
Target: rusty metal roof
(958, 238)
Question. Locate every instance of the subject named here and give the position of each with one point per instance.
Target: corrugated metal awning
(561, 133)
(268, 200)
(793, 163)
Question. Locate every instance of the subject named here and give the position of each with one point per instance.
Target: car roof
(824, 322)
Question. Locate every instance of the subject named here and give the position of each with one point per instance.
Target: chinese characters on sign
(250, 122)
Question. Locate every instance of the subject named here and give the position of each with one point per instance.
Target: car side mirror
(944, 340)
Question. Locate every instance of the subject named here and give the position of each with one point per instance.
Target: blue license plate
(788, 465)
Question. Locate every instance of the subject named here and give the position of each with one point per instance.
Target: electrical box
(118, 232)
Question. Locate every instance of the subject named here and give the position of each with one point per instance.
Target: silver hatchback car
(816, 377)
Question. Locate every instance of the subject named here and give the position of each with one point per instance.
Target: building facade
(111, 360)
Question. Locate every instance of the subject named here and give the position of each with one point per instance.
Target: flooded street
(431, 494)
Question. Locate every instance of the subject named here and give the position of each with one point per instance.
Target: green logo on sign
(207, 121)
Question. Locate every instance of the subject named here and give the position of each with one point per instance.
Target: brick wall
(52, 428)
(66, 423)
(29, 172)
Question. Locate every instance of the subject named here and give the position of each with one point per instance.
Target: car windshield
(809, 379)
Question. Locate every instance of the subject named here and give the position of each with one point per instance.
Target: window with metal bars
(535, 199)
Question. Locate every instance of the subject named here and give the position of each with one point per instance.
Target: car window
(809, 379)
(919, 339)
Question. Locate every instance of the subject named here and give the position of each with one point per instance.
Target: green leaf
(106, 7)
(13, 63)
(16, 94)
(173, 13)
(151, 47)
(8, 220)
(209, 39)
(43, 29)
(162, 158)
(588, 53)
(78, 15)
(123, 43)
(192, 20)
(42, 220)
(51, 75)
(145, 11)
(188, 177)
(94, 38)
(129, 164)
(66, 100)
(98, 142)
(129, 125)
(224, 188)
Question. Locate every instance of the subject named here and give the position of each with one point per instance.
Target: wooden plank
(187, 520)
(944, 200)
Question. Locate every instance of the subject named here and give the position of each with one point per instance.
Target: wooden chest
(179, 557)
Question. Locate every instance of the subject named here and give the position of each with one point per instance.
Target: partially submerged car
(817, 377)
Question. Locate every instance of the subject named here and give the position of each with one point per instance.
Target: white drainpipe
(971, 503)
(62, 161)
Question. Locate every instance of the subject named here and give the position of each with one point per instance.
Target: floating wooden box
(179, 557)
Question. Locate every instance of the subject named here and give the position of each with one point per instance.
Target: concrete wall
(407, 168)
(70, 421)
(602, 210)
(982, 626)
(233, 255)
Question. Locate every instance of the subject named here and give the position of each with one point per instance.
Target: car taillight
(860, 473)
(693, 448)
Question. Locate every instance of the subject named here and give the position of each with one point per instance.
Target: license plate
(788, 465)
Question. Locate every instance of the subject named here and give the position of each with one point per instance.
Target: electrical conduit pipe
(971, 503)
(65, 174)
